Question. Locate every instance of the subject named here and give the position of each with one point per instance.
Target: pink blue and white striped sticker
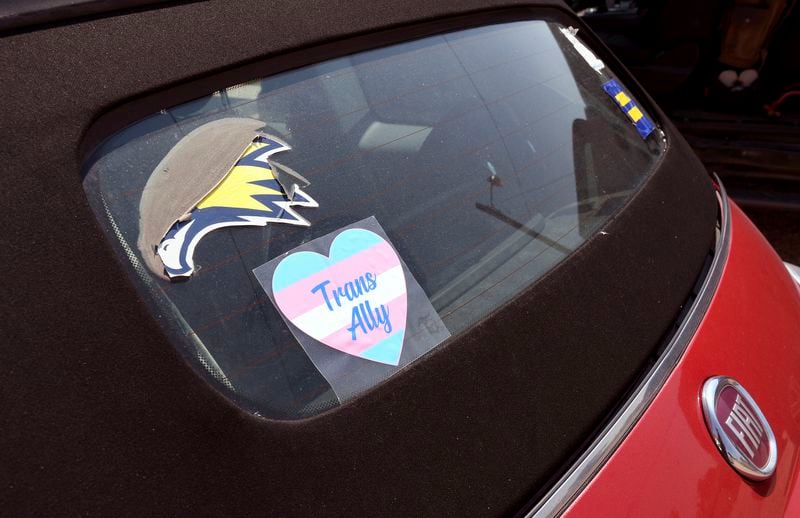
(354, 300)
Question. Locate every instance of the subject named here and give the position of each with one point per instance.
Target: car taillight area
(669, 462)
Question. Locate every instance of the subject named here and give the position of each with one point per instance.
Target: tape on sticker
(255, 191)
(641, 122)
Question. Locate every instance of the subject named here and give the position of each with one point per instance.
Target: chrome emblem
(739, 429)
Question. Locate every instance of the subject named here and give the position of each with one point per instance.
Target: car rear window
(483, 157)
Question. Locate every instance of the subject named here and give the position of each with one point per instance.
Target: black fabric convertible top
(20, 14)
(102, 416)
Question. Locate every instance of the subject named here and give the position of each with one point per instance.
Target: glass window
(487, 155)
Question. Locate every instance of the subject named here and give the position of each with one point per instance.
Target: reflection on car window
(487, 155)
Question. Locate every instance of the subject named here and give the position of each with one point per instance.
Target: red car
(373, 259)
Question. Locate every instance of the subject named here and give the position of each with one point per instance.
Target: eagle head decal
(229, 186)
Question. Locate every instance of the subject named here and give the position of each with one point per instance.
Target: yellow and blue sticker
(248, 195)
(641, 121)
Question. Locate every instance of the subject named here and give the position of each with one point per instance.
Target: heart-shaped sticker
(353, 301)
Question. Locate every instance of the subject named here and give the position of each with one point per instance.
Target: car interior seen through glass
(486, 155)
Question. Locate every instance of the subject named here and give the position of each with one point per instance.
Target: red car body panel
(668, 465)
